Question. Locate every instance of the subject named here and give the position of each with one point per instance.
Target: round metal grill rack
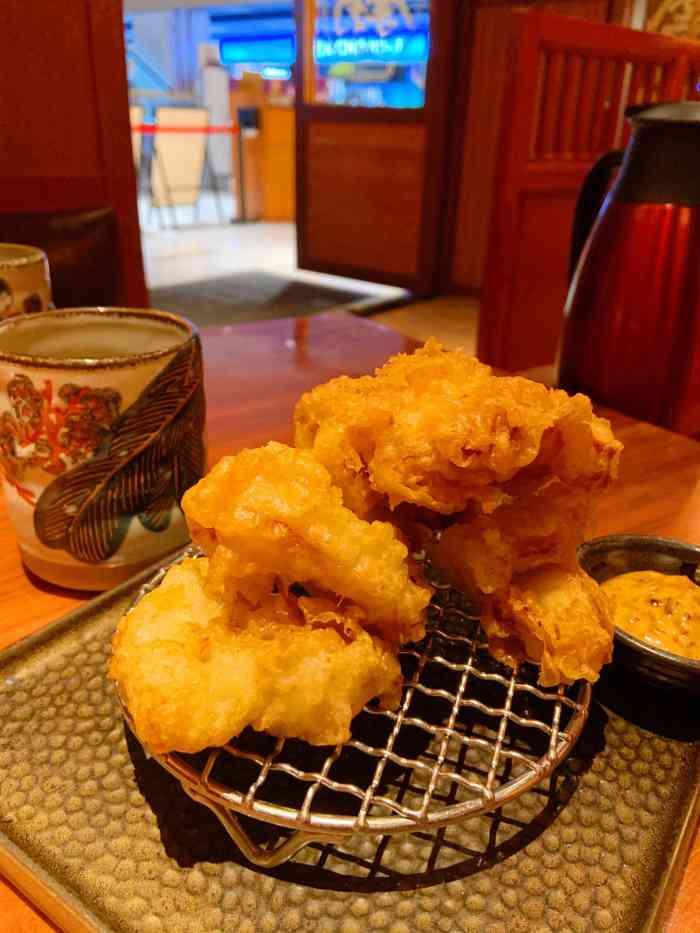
(469, 736)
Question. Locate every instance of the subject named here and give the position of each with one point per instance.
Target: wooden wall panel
(64, 118)
(568, 84)
(544, 217)
(48, 108)
(597, 11)
(488, 75)
(495, 25)
(106, 30)
(364, 174)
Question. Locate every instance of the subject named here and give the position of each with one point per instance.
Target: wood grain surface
(66, 139)
(566, 82)
(371, 177)
(19, 915)
(254, 374)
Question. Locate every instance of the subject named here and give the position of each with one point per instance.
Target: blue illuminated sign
(270, 50)
(276, 73)
(403, 48)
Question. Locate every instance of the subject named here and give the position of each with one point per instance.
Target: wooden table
(254, 374)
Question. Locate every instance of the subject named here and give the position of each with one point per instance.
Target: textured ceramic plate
(104, 839)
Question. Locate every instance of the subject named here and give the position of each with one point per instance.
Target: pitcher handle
(590, 200)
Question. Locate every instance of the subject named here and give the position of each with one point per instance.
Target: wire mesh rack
(469, 736)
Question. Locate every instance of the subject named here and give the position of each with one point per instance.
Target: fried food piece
(273, 514)
(557, 617)
(479, 555)
(520, 564)
(192, 680)
(493, 477)
(438, 430)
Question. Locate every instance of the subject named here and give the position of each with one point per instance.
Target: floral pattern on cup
(102, 430)
(112, 466)
(152, 453)
(53, 431)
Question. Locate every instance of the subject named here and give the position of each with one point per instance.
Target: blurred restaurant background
(412, 160)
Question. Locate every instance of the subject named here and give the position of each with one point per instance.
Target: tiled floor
(205, 249)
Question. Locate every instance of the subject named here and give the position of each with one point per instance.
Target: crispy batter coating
(272, 514)
(494, 477)
(437, 429)
(480, 554)
(520, 564)
(558, 617)
(292, 622)
(191, 679)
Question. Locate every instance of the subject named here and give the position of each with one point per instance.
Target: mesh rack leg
(265, 858)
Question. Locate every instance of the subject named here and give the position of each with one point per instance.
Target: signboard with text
(399, 48)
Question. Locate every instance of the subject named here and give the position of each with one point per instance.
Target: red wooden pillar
(64, 119)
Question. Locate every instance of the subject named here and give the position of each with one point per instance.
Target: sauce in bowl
(660, 609)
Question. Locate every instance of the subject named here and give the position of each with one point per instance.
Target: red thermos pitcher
(631, 335)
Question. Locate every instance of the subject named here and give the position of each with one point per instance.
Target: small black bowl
(612, 555)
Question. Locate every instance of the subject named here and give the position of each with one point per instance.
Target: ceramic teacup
(102, 420)
(25, 283)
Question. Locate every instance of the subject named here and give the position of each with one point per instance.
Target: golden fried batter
(480, 554)
(493, 477)
(557, 617)
(520, 564)
(292, 622)
(437, 429)
(191, 679)
(273, 514)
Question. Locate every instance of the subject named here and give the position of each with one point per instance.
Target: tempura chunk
(439, 430)
(480, 554)
(191, 679)
(555, 616)
(272, 513)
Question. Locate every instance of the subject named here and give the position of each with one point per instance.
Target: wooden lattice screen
(567, 85)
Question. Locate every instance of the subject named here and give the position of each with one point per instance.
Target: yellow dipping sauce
(658, 608)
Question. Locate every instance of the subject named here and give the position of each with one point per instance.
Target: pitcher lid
(684, 111)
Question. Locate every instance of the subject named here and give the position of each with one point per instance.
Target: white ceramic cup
(102, 419)
(25, 283)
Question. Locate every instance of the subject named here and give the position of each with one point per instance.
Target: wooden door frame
(440, 83)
